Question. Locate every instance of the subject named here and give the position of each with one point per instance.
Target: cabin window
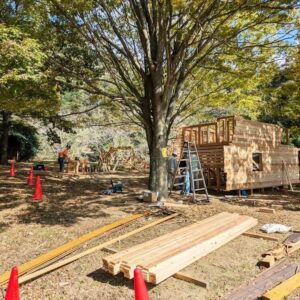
(257, 162)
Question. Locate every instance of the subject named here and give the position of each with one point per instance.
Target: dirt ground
(74, 206)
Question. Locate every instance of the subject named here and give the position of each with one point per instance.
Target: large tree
(150, 53)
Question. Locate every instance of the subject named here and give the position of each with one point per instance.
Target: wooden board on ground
(40, 260)
(284, 289)
(162, 257)
(261, 236)
(264, 281)
(267, 210)
(176, 205)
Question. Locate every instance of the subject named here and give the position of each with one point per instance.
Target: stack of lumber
(162, 257)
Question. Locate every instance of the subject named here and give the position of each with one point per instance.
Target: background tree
(25, 87)
(281, 97)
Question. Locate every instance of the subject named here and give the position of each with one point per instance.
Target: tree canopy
(24, 84)
(152, 53)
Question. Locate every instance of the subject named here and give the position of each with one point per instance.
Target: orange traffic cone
(12, 291)
(140, 290)
(12, 170)
(30, 177)
(38, 195)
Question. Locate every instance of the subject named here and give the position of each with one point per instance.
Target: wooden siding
(227, 154)
(256, 137)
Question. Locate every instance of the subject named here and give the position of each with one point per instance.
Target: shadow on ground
(66, 200)
(117, 280)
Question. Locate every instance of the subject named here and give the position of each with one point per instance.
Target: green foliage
(25, 86)
(281, 101)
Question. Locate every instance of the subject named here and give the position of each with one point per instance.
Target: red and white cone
(12, 170)
(30, 177)
(38, 194)
(12, 291)
(140, 290)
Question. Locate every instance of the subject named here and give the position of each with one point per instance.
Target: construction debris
(284, 289)
(264, 281)
(164, 256)
(272, 228)
(289, 245)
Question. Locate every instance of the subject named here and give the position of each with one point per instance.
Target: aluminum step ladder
(190, 162)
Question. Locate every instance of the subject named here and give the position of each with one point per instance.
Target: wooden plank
(170, 266)
(287, 175)
(64, 262)
(189, 241)
(174, 236)
(261, 236)
(267, 210)
(70, 245)
(284, 289)
(164, 256)
(264, 281)
(185, 277)
(170, 204)
(162, 246)
(204, 236)
(113, 263)
(179, 275)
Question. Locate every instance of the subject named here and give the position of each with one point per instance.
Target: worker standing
(172, 166)
(63, 156)
(185, 170)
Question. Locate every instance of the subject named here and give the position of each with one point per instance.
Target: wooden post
(208, 178)
(218, 175)
(217, 140)
(228, 130)
(199, 135)
(287, 136)
(251, 192)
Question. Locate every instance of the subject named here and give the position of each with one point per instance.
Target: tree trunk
(158, 180)
(6, 117)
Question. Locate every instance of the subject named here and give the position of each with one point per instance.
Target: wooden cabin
(239, 154)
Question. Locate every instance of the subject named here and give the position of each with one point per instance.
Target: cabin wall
(256, 137)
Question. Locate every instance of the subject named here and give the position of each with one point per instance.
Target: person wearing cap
(63, 156)
(172, 165)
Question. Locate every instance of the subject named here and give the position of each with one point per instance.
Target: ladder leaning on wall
(190, 162)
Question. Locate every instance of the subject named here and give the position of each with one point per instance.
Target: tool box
(117, 186)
